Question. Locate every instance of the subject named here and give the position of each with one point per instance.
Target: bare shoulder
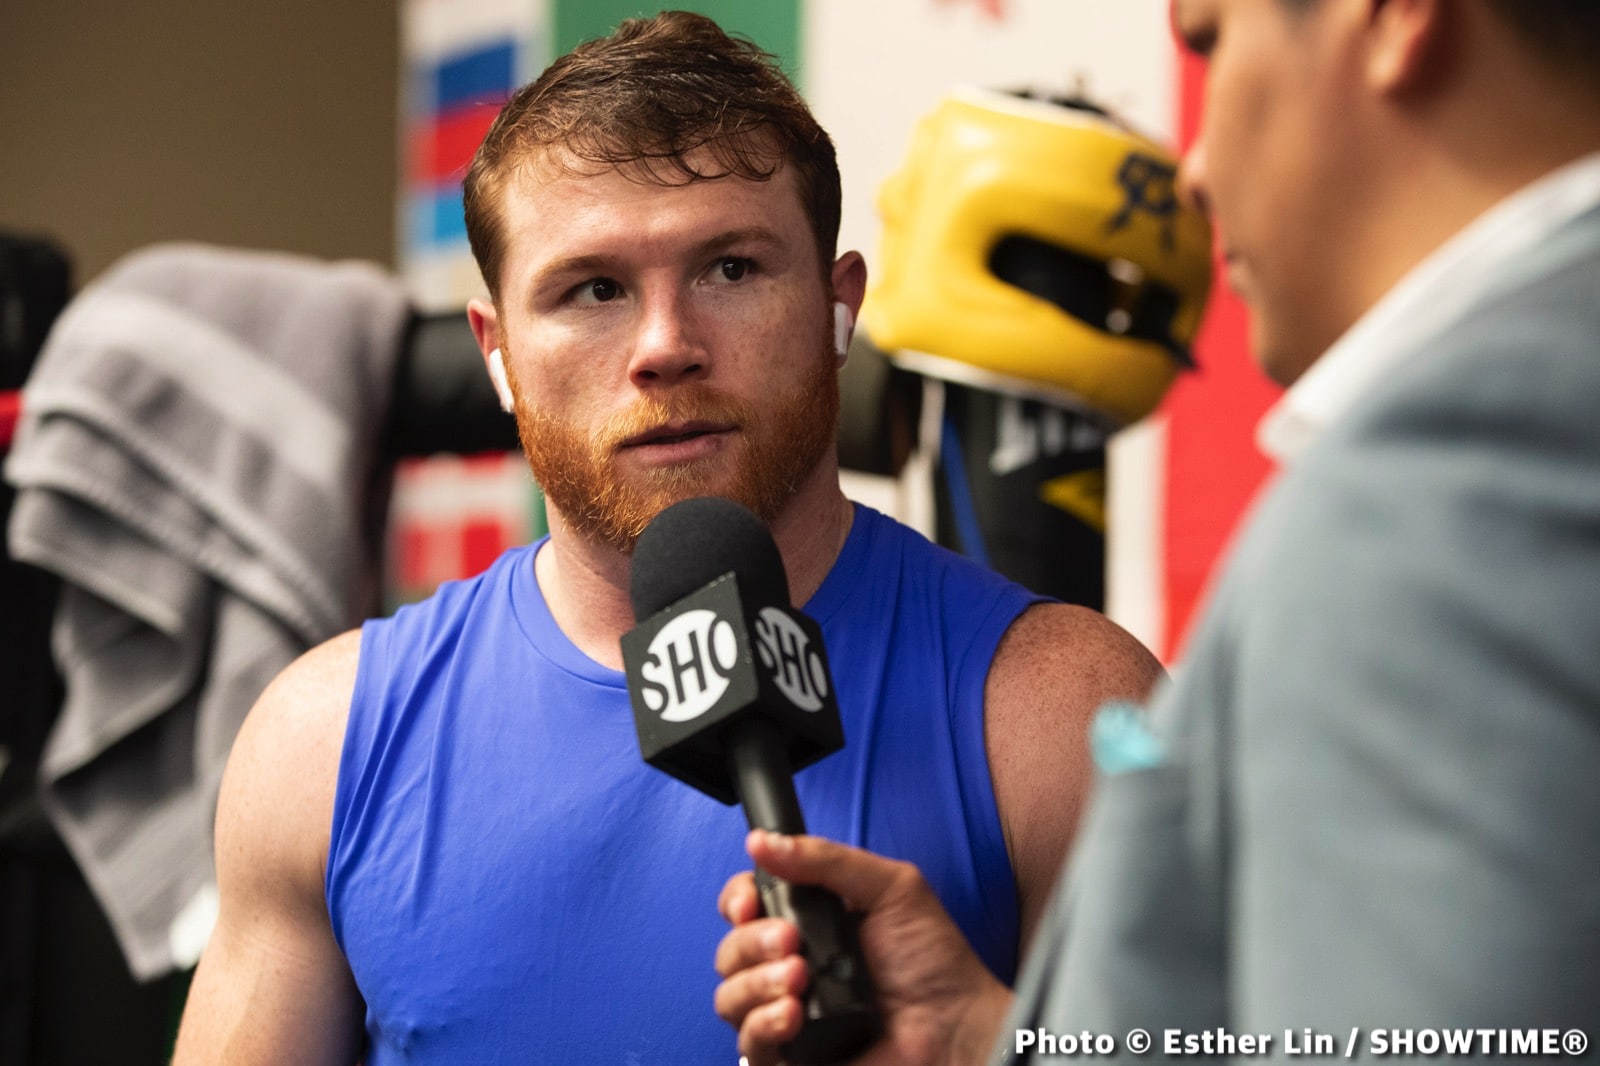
(1054, 668)
(277, 791)
(1058, 654)
(272, 985)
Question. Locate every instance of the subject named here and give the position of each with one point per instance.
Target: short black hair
(1567, 32)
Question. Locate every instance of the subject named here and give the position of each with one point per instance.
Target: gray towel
(199, 461)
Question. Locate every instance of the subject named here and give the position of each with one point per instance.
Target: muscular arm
(1055, 666)
(272, 986)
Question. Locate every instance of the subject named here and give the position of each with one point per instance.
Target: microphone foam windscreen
(694, 542)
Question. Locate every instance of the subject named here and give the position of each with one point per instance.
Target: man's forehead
(549, 164)
(546, 170)
(557, 212)
(712, 158)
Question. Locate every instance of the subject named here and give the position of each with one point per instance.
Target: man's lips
(675, 433)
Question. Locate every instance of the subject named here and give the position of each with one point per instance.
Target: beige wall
(255, 123)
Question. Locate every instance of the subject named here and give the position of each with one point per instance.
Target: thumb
(859, 877)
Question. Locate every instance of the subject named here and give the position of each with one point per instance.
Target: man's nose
(1192, 176)
(668, 346)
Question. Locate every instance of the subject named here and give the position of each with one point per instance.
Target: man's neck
(1504, 121)
(586, 584)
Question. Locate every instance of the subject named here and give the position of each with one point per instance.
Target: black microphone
(731, 694)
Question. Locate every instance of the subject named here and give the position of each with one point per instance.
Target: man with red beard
(436, 842)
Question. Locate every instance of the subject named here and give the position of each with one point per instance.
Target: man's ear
(1407, 41)
(849, 281)
(485, 323)
(849, 278)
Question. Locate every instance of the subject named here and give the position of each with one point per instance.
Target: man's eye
(734, 269)
(604, 289)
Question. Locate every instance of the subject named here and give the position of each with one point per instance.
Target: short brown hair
(1565, 32)
(651, 93)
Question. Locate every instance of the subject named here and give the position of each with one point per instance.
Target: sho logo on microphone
(686, 669)
(786, 651)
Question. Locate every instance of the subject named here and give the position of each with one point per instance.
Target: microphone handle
(841, 1018)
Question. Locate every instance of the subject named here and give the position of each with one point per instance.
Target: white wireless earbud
(844, 323)
(497, 374)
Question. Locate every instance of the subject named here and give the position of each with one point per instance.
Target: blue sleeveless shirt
(511, 883)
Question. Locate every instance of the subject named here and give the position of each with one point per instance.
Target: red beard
(781, 444)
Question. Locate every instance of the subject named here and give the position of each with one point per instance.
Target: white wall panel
(873, 68)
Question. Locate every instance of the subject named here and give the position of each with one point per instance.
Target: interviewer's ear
(1406, 43)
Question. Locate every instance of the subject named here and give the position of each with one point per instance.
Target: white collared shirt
(1433, 296)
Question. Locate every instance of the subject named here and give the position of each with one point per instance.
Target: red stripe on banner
(10, 414)
(1213, 467)
(441, 150)
(412, 550)
(482, 541)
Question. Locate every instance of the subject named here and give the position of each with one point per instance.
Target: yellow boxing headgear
(1039, 248)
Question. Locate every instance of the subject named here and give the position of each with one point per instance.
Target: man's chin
(619, 512)
(1283, 359)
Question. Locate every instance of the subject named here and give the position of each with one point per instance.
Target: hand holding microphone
(731, 694)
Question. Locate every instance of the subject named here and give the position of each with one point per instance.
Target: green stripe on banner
(772, 24)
